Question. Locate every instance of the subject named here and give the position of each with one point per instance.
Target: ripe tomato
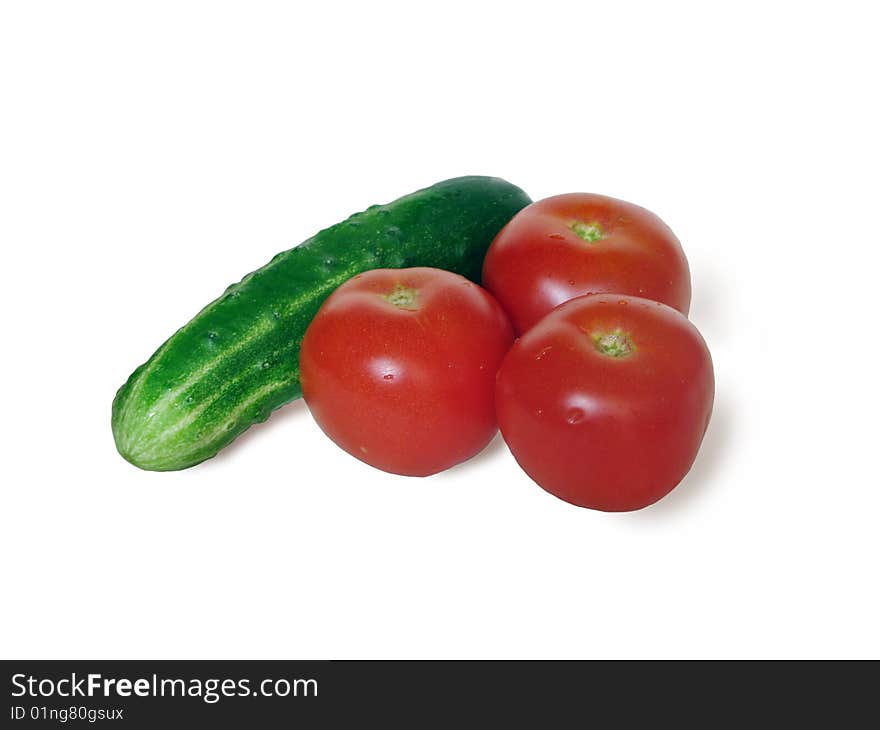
(605, 401)
(569, 245)
(398, 368)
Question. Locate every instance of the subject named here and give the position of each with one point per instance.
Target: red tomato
(398, 368)
(605, 401)
(562, 247)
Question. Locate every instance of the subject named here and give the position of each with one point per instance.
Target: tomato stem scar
(590, 232)
(402, 297)
(613, 344)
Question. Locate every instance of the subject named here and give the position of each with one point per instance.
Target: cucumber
(238, 359)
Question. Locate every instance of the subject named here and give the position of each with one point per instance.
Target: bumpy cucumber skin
(238, 359)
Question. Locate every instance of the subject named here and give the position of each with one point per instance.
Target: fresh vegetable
(568, 245)
(237, 359)
(605, 401)
(398, 368)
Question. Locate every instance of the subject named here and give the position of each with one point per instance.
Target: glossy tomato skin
(569, 245)
(398, 368)
(605, 401)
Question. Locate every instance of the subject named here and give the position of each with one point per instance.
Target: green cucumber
(238, 359)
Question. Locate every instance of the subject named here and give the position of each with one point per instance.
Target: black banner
(152, 694)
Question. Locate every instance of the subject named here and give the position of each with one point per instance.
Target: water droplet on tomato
(557, 236)
(388, 376)
(574, 416)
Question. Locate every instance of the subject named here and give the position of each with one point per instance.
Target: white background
(154, 152)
